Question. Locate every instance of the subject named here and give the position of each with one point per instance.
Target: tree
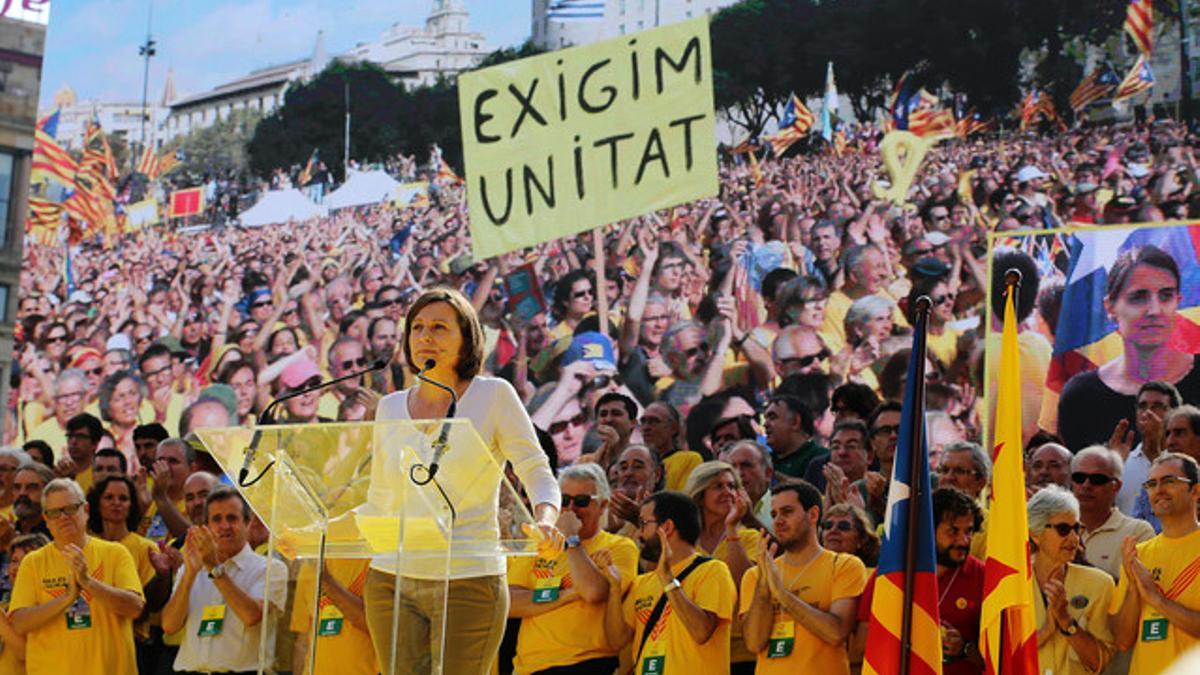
(219, 149)
(313, 115)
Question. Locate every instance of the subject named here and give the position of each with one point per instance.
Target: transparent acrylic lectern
(363, 492)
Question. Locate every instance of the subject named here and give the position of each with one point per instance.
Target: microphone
(440, 445)
(264, 417)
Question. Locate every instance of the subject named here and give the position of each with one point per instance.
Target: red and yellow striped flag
(1007, 625)
(1139, 24)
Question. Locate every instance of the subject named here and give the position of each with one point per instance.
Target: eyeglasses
(1064, 529)
(156, 373)
(601, 381)
(561, 425)
(98, 370)
(956, 471)
(68, 510)
(347, 365)
(806, 360)
(55, 338)
(841, 525)
(578, 501)
(264, 303)
(648, 521)
(888, 429)
(657, 318)
(1166, 481)
(67, 395)
(1097, 479)
(935, 217)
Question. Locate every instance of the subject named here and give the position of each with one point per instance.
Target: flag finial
(1013, 277)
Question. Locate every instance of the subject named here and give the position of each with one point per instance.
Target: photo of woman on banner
(1142, 297)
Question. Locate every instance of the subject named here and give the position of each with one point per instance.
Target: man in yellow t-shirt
(75, 600)
(1157, 604)
(343, 643)
(691, 632)
(560, 598)
(798, 609)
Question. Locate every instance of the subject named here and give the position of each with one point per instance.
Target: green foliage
(219, 149)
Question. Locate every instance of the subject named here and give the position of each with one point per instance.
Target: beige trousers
(474, 624)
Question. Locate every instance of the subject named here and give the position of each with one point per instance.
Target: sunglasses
(360, 362)
(1097, 479)
(56, 338)
(601, 381)
(578, 501)
(561, 426)
(807, 360)
(1064, 529)
(840, 525)
(264, 303)
(581, 294)
(1166, 481)
(68, 510)
(949, 297)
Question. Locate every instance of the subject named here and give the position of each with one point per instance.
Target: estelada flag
(187, 202)
(1007, 623)
(884, 652)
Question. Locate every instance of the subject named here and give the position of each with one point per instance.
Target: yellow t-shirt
(54, 435)
(944, 347)
(830, 576)
(555, 638)
(679, 465)
(1175, 563)
(836, 309)
(711, 588)
(106, 645)
(1083, 585)
(342, 647)
(738, 653)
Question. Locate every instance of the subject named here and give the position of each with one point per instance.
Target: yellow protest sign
(566, 141)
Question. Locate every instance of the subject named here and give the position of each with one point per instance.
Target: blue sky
(92, 45)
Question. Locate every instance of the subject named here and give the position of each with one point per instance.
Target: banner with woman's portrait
(1101, 311)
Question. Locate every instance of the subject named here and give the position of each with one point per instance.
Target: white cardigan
(492, 406)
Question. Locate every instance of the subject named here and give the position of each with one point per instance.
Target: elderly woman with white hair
(1072, 603)
(867, 324)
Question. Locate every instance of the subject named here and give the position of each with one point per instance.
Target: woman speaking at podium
(442, 328)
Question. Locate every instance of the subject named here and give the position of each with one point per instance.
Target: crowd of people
(716, 387)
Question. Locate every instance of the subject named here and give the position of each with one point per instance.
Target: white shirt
(236, 647)
(1136, 471)
(473, 487)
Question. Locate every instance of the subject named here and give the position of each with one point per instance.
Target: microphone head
(429, 364)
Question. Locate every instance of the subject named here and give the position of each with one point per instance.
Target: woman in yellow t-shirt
(1072, 601)
(943, 339)
(717, 490)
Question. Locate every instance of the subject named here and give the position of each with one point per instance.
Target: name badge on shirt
(783, 638)
(546, 590)
(212, 621)
(1154, 630)
(79, 615)
(654, 659)
(330, 623)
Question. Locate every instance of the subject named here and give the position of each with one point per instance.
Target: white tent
(280, 206)
(364, 187)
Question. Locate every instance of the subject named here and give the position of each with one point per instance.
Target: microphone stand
(264, 418)
(423, 475)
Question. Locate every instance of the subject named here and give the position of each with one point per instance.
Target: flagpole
(1012, 281)
(916, 434)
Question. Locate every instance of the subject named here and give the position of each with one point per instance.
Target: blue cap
(591, 346)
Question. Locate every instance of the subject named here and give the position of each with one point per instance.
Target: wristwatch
(1071, 629)
(672, 585)
(572, 541)
(217, 571)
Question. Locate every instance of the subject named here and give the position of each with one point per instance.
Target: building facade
(22, 43)
(621, 17)
(414, 56)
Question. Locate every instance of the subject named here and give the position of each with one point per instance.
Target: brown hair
(470, 358)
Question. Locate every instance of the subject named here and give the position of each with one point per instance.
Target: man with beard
(799, 607)
(1156, 609)
(637, 474)
(690, 598)
(31, 478)
(956, 516)
(10, 459)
